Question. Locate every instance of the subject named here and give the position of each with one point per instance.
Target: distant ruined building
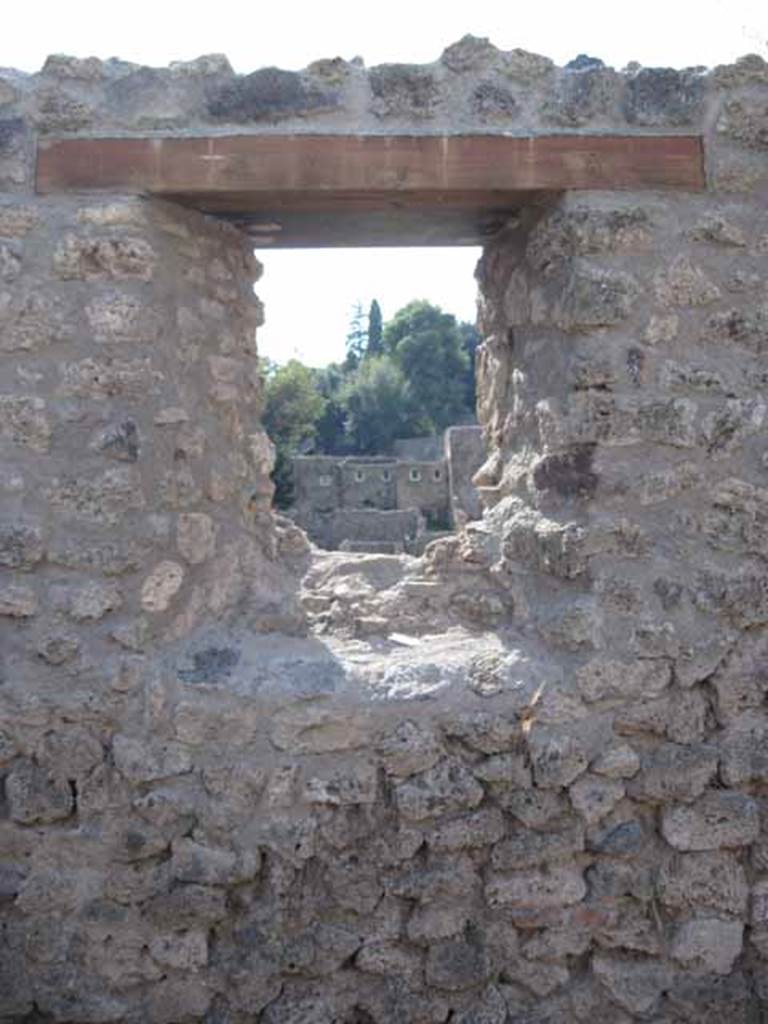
(390, 504)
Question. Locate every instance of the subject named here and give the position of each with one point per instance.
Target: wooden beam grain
(314, 164)
(315, 190)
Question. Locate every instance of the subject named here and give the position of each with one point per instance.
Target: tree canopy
(426, 345)
(409, 377)
(293, 405)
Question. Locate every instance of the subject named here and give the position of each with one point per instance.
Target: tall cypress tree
(357, 338)
(375, 331)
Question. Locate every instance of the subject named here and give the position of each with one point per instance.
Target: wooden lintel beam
(304, 167)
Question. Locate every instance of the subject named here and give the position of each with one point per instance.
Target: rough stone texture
(519, 780)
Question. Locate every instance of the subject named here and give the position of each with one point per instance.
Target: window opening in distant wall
(414, 475)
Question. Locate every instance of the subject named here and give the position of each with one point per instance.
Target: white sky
(309, 318)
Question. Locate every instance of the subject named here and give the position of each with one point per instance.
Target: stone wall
(424, 485)
(465, 454)
(548, 803)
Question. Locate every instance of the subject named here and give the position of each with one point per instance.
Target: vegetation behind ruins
(409, 377)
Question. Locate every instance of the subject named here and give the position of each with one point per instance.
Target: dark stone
(12, 130)
(121, 441)
(617, 879)
(582, 95)
(664, 96)
(583, 63)
(11, 879)
(188, 906)
(669, 592)
(456, 964)
(620, 841)
(568, 474)
(21, 546)
(210, 665)
(403, 89)
(58, 648)
(742, 598)
(635, 360)
(490, 99)
(269, 94)
(742, 327)
(712, 999)
(746, 121)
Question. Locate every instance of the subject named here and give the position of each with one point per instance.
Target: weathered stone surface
(664, 96)
(714, 880)
(85, 258)
(603, 679)
(596, 298)
(18, 601)
(23, 421)
(744, 750)
(34, 795)
(15, 165)
(584, 94)
(446, 788)
(536, 808)
(625, 839)
(161, 586)
(746, 121)
(269, 94)
(719, 818)
(635, 984)
(58, 648)
(524, 848)
(409, 749)
(119, 441)
(559, 886)
(556, 758)
(196, 537)
(708, 945)
(682, 283)
(144, 763)
(202, 817)
(491, 102)
(594, 797)
(619, 762)
(675, 772)
(205, 865)
(93, 601)
(480, 828)
(712, 998)
(103, 499)
(403, 90)
(21, 545)
(454, 965)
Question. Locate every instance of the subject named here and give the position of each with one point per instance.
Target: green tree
(292, 406)
(357, 338)
(379, 406)
(330, 430)
(375, 345)
(426, 344)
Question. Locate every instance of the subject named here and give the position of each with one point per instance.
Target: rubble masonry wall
(556, 812)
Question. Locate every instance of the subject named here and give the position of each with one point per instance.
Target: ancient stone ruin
(521, 780)
(390, 504)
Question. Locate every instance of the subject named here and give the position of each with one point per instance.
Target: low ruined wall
(554, 810)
